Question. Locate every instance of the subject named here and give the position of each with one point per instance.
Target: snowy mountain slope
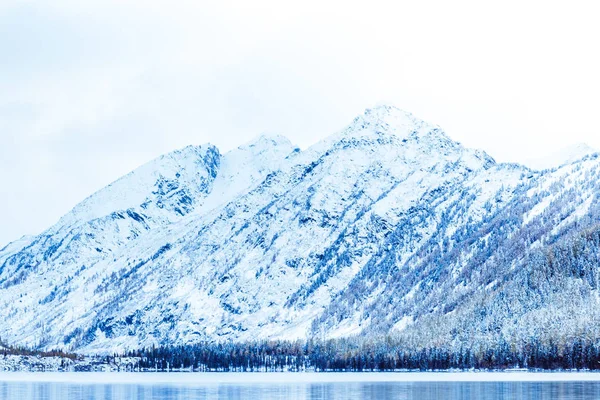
(539, 286)
(486, 258)
(150, 198)
(310, 235)
(159, 192)
(562, 157)
(374, 229)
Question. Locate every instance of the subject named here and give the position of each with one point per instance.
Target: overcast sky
(92, 89)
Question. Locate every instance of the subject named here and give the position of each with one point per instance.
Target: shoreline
(219, 378)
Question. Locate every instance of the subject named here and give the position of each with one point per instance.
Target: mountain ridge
(566, 155)
(355, 235)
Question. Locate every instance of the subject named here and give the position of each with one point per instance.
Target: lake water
(321, 386)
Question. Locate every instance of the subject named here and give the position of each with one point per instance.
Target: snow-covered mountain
(378, 228)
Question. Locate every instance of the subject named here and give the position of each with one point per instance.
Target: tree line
(12, 350)
(361, 355)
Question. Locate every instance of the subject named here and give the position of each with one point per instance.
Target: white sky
(92, 89)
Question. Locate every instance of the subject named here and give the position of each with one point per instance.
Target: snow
(134, 188)
(243, 167)
(15, 246)
(13, 365)
(579, 212)
(568, 155)
(569, 177)
(537, 210)
(403, 323)
(345, 329)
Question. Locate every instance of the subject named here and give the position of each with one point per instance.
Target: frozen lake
(422, 386)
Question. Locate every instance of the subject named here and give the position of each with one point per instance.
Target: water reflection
(301, 391)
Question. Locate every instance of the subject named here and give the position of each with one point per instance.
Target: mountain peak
(192, 166)
(266, 141)
(388, 118)
(383, 110)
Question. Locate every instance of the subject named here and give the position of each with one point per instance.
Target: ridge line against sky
(91, 90)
